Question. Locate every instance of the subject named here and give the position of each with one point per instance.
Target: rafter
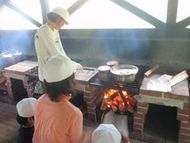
(172, 13)
(140, 13)
(15, 8)
(184, 23)
(44, 9)
(76, 6)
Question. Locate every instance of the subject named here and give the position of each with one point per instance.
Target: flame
(114, 99)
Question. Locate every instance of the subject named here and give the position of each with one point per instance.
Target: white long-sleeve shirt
(47, 44)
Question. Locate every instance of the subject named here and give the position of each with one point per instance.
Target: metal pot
(104, 73)
(124, 73)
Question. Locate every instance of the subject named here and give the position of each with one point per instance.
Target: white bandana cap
(106, 133)
(25, 107)
(58, 68)
(62, 12)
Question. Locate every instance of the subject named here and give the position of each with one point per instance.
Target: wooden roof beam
(44, 9)
(184, 23)
(76, 6)
(172, 13)
(16, 9)
(140, 13)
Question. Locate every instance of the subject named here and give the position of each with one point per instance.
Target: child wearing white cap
(106, 133)
(25, 118)
(48, 42)
(56, 119)
(120, 122)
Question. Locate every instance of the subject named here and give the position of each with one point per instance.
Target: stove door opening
(161, 124)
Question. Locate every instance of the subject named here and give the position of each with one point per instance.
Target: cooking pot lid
(103, 68)
(124, 71)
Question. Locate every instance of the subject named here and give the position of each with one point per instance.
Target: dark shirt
(25, 134)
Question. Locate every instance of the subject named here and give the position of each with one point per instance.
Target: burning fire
(118, 100)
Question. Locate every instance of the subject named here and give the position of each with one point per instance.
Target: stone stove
(94, 91)
(18, 80)
(178, 98)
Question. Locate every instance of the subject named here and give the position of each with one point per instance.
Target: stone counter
(179, 91)
(19, 72)
(178, 97)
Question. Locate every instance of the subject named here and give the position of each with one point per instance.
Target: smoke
(124, 45)
(15, 46)
(16, 42)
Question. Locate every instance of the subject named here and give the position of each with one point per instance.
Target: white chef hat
(25, 107)
(58, 68)
(62, 12)
(106, 133)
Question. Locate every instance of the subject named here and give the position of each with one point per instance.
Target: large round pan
(124, 73)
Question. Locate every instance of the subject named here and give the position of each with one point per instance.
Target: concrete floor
(9, 126)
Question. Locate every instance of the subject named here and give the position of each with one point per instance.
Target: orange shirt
(57, 122)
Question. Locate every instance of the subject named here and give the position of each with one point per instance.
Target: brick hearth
(179, 97)
(92, 96)
(183, 115)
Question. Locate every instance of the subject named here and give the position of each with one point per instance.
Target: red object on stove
(112, 63)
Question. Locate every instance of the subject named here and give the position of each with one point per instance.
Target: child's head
(106, 133)
(25, 111)
(58, 84)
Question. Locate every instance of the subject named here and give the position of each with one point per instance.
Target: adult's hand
(79, 66)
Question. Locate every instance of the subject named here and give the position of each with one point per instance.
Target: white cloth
(161, 84)
(47, 44)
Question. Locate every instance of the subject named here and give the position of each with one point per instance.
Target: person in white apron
(48, 43)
